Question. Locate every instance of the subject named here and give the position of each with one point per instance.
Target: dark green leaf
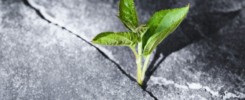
(127, 14)
(160, 26)
(116, 39)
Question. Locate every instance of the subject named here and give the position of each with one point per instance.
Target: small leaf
(141, 30)
(160, 26)
(127, 14)
(116, 39)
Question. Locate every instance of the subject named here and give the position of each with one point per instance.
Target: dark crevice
(99, 50)
(64, 28)
(151, 94)
(37, 11)
(102, 53)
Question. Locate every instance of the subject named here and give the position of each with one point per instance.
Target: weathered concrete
(212, 68)
(87, 18)
(42, 58)
(40, 61)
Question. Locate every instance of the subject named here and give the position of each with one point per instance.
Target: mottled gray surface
(79, 16)
(40, 61)
(208, 69)
(212, 68)
(87, 18)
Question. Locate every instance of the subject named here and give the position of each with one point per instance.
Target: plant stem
(140, 69)
(134, 51)
(139, 64)
(147, 59)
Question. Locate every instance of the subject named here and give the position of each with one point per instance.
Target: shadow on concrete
(186, 35)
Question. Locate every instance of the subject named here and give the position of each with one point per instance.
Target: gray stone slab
(211, 69)
(40, 61)
(198, 71)
(87, 18)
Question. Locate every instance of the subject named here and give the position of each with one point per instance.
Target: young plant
(146, 36)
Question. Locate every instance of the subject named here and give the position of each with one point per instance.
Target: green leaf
(160, 26)
(141, 30)
(116, 39)
(127, 14)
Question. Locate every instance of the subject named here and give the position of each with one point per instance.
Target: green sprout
(142, 39)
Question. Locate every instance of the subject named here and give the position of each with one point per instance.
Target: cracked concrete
(41, 61)
(80, 23)
(42, 13)
(213, 66)
(210, 69)
(80, 15)
(195, 86)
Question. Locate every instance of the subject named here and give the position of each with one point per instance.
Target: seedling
(142, 39)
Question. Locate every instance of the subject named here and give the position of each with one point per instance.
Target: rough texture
(41, 58)
(40, 61)
(205, 19)
(87, 18)
(212, 68)
(201, 70)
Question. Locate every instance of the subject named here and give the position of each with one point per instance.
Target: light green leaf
(141, 30)
(116, 39)
(127, 14)
(160, 26)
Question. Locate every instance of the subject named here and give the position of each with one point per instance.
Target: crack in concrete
(41, 12)
(151, 94)
(196, 86)
(49, 19)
